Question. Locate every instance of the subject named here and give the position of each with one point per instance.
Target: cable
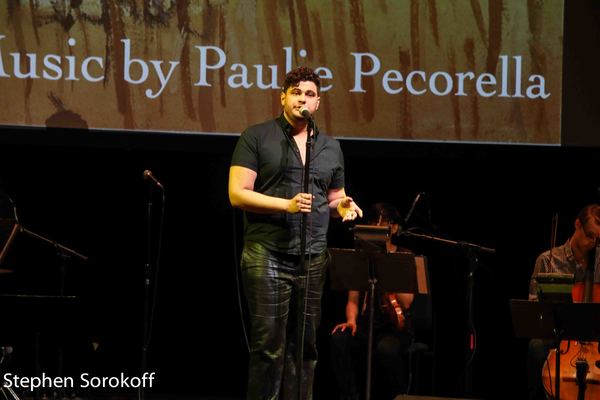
(238, 285)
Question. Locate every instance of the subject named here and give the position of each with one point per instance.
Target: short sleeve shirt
(560, 260)
(270, 150)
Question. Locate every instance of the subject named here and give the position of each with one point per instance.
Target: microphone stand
(412, 207)
(472, 251)
(301, 294)
(147, 287)
(148, 270)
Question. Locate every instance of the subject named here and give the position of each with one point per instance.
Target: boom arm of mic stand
(466, 245)
(62, 248)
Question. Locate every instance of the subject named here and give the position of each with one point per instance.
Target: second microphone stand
(472, 252)
(150, 270)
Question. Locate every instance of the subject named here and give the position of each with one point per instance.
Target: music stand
(30, 315)
(556, 321)
(361, 270)
(555, 287)
(37, 308)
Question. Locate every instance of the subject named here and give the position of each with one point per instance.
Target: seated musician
(391, 330)
(576, 256)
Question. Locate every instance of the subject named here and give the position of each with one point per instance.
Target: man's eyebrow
(308, 92)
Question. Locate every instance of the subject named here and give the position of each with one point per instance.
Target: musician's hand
(344, 326)
(301, 202)
(348, 209)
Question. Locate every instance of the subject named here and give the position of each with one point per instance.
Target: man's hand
(302, 202)
(344, 326)
(348, 209)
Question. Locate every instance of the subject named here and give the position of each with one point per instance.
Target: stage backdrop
(483, 71)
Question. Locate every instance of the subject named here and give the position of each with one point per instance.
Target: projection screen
(476, 71)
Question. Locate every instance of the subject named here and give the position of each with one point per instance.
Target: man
(266, 181)
(576, 256)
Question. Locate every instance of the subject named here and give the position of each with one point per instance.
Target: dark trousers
(274, 285)
(349, 357)
(537, 352)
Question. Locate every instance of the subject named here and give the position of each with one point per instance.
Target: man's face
(297, 97)
(590, 232)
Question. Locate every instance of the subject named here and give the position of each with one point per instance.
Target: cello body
(394, 311)
(572, 352)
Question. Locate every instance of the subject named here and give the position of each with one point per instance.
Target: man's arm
(242, 195)
(541, 265)
(351, 313)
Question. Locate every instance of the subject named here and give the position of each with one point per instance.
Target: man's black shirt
(270, 150)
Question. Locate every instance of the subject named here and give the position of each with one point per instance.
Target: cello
(579, 361)
(394, 311)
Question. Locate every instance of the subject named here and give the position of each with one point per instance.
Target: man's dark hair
(295, 76)
(384, 212)
(588, 213)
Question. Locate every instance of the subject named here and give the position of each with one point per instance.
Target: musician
(576, 256)
(349, 339)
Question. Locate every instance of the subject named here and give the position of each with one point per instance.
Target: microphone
(149, 177)
(412, 208)
(306, 114)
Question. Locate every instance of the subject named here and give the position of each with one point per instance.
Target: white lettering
(121, 381)
(358, 72)
(541, 87)
(324, 73)
(460, 88)
(504, 77)
(161, 76)
(128, 61)
(288, 59)
(392, 76)
(482, 80)
(71, 76)
(409, 82)
(242, 77)
(32, 65)
(432, 83)
(71, 59)
(49, 65)
(203, 63)
(259, 77)
(518, 74)
(85, 69)
(35, 382)
(2, 73)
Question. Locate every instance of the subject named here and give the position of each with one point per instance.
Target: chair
(423, 346)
